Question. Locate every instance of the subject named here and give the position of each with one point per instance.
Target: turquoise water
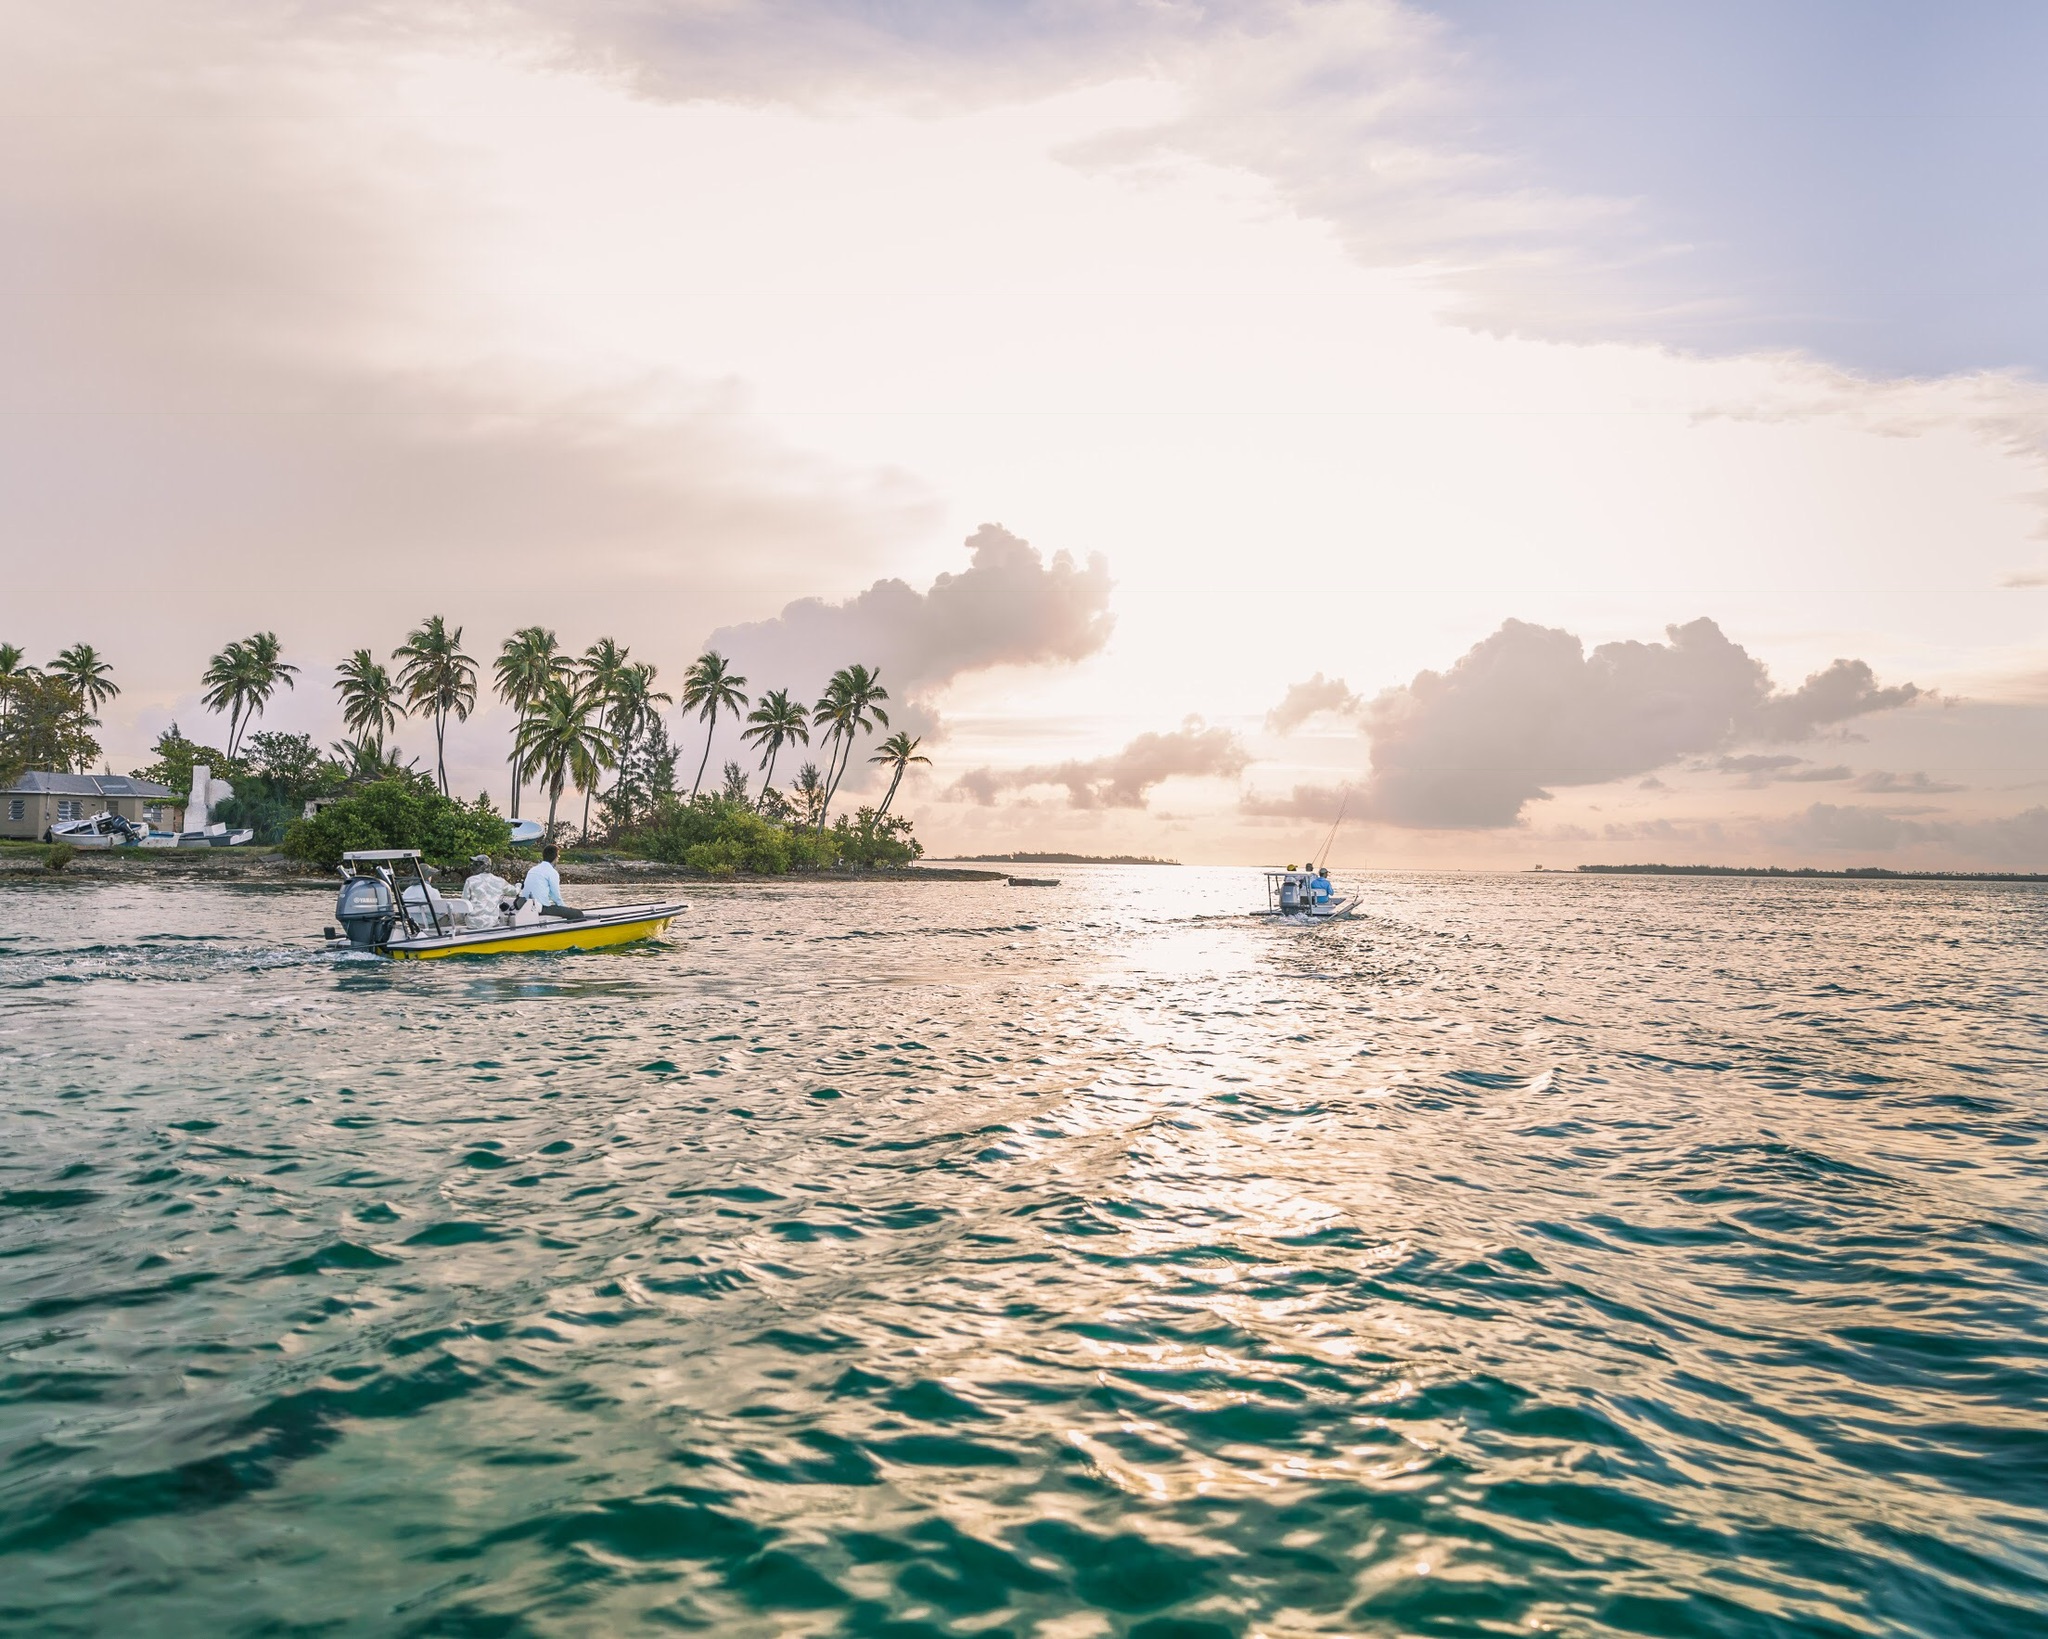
(1534, 1254)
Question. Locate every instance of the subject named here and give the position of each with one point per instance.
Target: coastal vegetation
(593, 724)
(1064, 859)
(401, 811)
(48, 713)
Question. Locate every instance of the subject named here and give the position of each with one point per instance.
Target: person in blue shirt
(543, 884)
(1321, 886)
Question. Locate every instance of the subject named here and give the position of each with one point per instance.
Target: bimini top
(380, 853)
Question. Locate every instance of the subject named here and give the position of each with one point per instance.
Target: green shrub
(719, 837)
(720, 858)
(711, 834)
(870, 839)
(60, 855)
(401, 812)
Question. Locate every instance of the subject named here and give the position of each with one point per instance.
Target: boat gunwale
(598, 916)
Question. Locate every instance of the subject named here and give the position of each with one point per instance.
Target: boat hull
(599, 929)
(1337, 910)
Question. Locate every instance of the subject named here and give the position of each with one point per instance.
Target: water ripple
(1532, 1254)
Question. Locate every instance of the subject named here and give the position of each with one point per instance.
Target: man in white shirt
(543, 884)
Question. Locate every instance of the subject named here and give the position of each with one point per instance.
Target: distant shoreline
(1854, 873)
(1061, 859)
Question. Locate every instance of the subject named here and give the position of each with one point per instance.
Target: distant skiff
(1305, 896)
(410, 921)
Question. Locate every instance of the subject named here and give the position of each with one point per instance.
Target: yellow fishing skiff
(409, 921)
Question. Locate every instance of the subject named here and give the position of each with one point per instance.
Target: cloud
(1845, 689)
(1317, 802)
(1305, 700)
(2005, 842)
(1008, 607)
(1527, 709)
(1125, 778)
(1767, 768)
(259, 317)
(1881, 779)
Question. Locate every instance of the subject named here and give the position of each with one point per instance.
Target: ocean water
(1532, 1255)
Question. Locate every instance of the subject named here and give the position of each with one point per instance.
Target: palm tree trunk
(516, 782)
(831, 779)
(705, 761)
(441, 749)
(891, 797)
(768, 778)
(845, 762)
(554, 796)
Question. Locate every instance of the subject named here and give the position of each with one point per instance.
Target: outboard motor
(365, 911)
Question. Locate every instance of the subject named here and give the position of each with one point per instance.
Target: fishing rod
(1331, 839)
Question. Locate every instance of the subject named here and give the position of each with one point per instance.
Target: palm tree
(631, 707)
(266, 669)
(560, 740)
(12, 674)
(223, 681)
(851, 704)
(604, 664)
(528, 661)
(899, 751)
(776, 722)
(241, 679)
(632, 704)
(439, 679)
(709, 685)
(82, 667)
(370, 707)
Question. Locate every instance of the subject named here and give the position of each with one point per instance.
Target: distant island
(1064, 859)
(1856, 873)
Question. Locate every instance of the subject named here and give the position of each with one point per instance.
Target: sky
(1543, 431)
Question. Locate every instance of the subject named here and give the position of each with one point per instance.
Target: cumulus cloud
(1845, 689)
(1009, 606)
(1318, 695)
(1123, 779)
(1528, 709)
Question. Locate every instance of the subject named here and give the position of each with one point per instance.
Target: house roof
(39, 782)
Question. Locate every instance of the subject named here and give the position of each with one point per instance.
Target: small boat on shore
(380, 911)
(107, 830)
(1032, 881)
(1305, 896)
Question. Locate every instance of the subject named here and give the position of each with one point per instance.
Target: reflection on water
(1532, 1254)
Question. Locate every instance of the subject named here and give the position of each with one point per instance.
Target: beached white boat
(1305, 896)
(216, 835)
(388, 905)
(103, 830)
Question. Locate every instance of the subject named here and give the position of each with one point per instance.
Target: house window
(66, 808)
(17, 808)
